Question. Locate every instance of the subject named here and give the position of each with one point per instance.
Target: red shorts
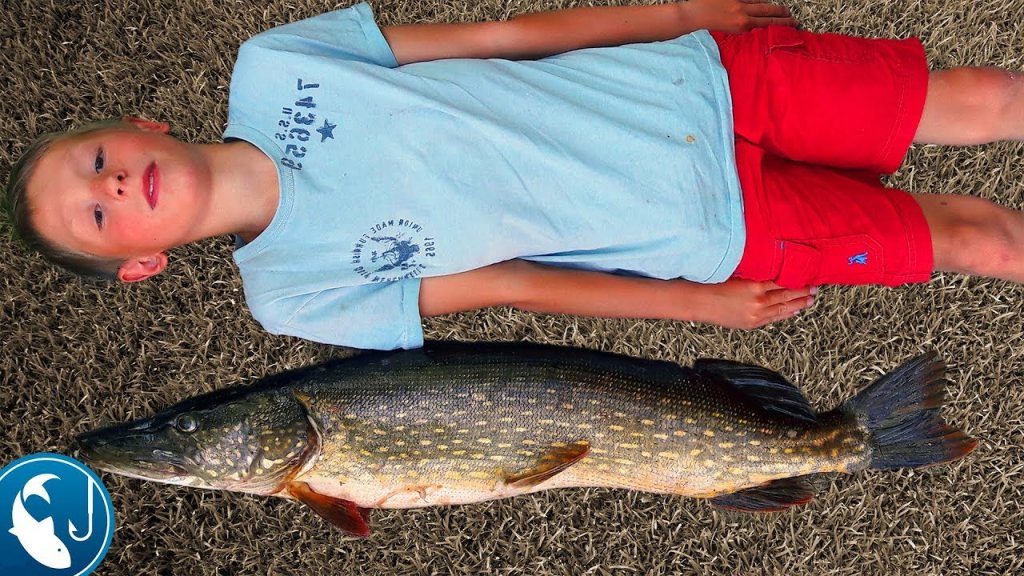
(818, 117)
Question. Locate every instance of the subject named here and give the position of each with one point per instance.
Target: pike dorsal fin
(772, 497)
(552, 463)
(342, 513)
(768, 389)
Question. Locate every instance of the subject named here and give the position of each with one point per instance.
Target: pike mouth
(150, 185)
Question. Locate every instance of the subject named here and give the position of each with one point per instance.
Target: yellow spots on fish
(484, 440)
(566, 406)
(546, 422)
(629, 446)
(463, 466)
(716, 414)
(754, 442)
(690, 421)
(480, 475)
(773, 450)
(531, 400)
(791, 433)
(742, 421)
(669, 455)
(727, 458)
(636, 434)
(452, 475)
(661, 436)
(584, 426)
(582, 442)
(425, 442)
(496, 457)
(412, 474)
(558, 444)
(645, 454)
(477, 456)
(616, 428)
(727, 428)
(403, 455)
(726, 445)
(595, 402)
(788, 451)
(619, 414)
(379, 432)
(708, 463)
(213, 474)
(623, 461)
(399, 442)
(462, 431)
(458, 452)
(457, 441)
(709, 433)
(365, 452)
(480, 423)
(695, 452)
(382, 449)
(349, 416)
(439, 430)
(736, 471)
(647, 422)
(835, 452)
(752, 458)
(679, 433)
(529, 442)
(598, 451)
(526, 453)
(504, 445)
(603, 467)
(442, 446)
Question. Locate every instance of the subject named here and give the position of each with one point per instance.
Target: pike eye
(98, 164)
(186, 423)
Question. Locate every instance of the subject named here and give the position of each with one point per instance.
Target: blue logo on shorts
(861, 259)
(60, 520)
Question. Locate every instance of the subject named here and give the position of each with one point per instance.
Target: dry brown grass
(77, 354)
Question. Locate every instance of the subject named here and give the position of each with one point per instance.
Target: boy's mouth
(150, 180)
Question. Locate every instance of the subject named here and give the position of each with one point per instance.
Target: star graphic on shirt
(326, 131)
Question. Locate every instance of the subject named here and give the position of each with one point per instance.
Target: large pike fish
(458, 423)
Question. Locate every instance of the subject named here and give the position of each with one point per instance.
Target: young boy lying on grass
(616, 161)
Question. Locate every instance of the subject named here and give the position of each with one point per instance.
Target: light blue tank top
(611, 159)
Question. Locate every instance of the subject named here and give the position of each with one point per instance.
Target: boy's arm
(539, 288)
(546, 33)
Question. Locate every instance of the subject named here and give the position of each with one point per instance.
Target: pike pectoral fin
(552, 463)
(772, 497)
(342, 513)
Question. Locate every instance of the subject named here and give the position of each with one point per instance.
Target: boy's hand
(737, 15)
(529, 286)
(747, 304)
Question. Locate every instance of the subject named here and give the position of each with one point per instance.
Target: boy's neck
(245, 186)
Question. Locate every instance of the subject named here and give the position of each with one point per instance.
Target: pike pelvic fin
(342, 513)
(768, 389)
(550, 464)
(772, 497)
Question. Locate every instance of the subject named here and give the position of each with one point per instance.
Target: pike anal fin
(342, 513)
(555, 461)
(772, 497)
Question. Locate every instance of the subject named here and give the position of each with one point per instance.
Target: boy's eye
(98, 215)
(99, 161)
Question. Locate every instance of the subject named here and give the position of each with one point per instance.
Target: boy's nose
(114, 184)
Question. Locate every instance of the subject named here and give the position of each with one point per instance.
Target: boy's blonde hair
(19, 208)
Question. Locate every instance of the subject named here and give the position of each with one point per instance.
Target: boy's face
(128, 193)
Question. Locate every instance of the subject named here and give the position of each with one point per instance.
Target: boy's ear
(138, 269)
(148, 125)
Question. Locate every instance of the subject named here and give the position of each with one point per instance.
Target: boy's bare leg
(972, 106)
(974, 236)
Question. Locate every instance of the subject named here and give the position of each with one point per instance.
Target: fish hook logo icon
(45, 492)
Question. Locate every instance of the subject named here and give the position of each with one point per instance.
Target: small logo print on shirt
(861, 259)
(394, 249)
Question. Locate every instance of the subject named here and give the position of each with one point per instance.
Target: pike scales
(457, 423)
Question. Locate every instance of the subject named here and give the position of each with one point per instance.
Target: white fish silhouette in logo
(37, 536)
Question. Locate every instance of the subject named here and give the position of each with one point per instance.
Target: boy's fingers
(765, 10)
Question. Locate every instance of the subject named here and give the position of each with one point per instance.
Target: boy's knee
(981, 247)
(985, 97)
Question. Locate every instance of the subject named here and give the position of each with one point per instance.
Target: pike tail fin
(902, 412)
